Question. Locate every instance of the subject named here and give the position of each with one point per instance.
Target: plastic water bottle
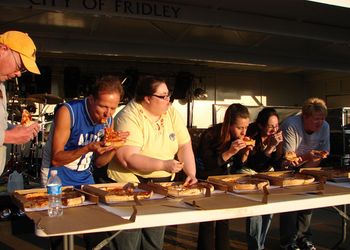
(54, 190)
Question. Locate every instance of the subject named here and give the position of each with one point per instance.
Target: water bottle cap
(53, 172)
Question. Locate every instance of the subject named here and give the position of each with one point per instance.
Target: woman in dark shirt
(265, 156)
(222, 150)
(267, 151)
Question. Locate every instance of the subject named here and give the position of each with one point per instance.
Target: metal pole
(345, 218)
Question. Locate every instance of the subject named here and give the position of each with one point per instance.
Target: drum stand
(13, 163)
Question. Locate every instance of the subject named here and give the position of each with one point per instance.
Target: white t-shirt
(296, 139)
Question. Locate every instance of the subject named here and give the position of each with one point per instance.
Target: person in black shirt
(222, 151)
(265, 156)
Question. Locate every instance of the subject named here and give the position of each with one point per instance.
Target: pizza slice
(36, 200)
(103, 120)
(26, 119)
(249, 141)
(72, 198)
(322, 154)
(291, 156)
(111, 138)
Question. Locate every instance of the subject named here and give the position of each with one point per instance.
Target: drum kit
(26, 159)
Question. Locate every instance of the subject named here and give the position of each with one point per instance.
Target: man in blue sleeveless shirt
(75, 137)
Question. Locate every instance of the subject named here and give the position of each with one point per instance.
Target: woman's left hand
(190, 180)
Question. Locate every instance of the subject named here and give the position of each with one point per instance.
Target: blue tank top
(83, 131)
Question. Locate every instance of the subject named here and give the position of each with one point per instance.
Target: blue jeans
(145, 238)
(256, 230)
(295, 227)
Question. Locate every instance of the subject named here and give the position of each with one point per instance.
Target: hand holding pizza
(236, 146)
(291, 159)
(318, 154)
(99, 147)
(21, 134)
(275, 139)
(249, 142)
(26, 119)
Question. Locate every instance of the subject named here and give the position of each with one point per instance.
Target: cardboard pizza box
(238, 182)
(220, 184)
(176, 189)
(329, 173)
(118, 192)
(20, 200)
(286, 178)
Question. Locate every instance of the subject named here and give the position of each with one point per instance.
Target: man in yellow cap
(17, 55)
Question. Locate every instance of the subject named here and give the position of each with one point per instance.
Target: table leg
(71, 242)
(68, 242)
(345, 218)
(65, 242)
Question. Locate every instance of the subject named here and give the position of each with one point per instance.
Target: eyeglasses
(19, 67)
(164, 97)
(272, 126)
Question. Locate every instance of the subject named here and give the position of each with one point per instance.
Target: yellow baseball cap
(24, 46)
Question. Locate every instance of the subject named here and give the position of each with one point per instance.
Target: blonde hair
(313, 105)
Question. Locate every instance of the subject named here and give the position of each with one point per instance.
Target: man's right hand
(21, 135)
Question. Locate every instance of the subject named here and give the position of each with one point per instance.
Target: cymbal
(45, 98)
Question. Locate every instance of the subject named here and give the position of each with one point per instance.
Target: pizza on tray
(238, 182)
(118, 192)
(36, 200)
(328, 173)
(112, 138)
(70, 198)
(284, 179)
(178, 189)
(246, 183)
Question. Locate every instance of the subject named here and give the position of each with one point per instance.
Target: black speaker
(183, 83)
